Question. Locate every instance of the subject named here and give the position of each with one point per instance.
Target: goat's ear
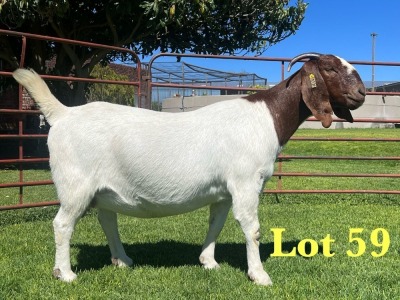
(315, 93)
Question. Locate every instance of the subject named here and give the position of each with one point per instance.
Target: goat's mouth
(354, 101)
(351, 102)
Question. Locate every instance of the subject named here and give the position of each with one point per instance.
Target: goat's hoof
(122, 262)
(64, 276)
(214, 266)
(209, 264)
(260, 278)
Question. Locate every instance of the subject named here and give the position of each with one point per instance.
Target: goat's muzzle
(352, 101)
(356, 98)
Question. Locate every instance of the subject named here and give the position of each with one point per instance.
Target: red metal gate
(23, 162)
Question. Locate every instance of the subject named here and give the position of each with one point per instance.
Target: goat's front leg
(245, 211)
(218, 214)
(108, 221)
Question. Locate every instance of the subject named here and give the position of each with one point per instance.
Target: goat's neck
(286, 106)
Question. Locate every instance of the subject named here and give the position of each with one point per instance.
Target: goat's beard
(343, 113)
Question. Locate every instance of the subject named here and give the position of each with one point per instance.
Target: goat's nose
(361, 90)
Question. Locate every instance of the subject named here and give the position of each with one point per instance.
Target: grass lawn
(165, 251)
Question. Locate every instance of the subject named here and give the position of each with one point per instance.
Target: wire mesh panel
(384, 112)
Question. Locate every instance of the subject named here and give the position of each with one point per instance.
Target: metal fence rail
(22, 162)
(281, 158)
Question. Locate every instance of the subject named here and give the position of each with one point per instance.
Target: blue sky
(340, 27)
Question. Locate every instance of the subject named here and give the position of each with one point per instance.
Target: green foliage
(119, 94)
(223, 26)
(201, 26)
(157, 106)
(256, 86)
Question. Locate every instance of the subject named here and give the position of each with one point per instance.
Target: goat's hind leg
(64, 224)
(108, 221)
(218, 214)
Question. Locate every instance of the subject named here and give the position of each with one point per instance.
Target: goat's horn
(311, 56)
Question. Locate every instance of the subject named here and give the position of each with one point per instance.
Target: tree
(119, 94)
(199, 26)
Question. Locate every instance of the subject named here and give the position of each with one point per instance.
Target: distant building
(390, 87)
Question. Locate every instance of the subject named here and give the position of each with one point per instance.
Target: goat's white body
(150, 164)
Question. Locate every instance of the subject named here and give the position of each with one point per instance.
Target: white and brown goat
(149, 164)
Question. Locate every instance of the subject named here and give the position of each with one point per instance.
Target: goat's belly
(144, 207)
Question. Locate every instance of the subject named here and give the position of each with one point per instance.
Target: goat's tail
(38, 89)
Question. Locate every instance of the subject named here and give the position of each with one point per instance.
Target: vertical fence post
(21, 125)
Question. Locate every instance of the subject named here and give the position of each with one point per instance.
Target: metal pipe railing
(21, 161)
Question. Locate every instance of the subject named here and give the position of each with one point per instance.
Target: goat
(149, 164)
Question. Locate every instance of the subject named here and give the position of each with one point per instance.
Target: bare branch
(129, 39)
(67, 48)
(111, 25)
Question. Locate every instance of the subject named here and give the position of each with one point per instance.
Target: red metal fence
(282, 158)
(23, 162)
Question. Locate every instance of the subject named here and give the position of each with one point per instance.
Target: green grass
(32, 194)
(165, 255)
(165, 251)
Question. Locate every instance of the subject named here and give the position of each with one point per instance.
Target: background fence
(21, 140)
(17, 135)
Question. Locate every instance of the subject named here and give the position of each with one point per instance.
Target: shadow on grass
(174, 254)
(21, 216)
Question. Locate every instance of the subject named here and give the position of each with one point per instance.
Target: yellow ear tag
(313, 81)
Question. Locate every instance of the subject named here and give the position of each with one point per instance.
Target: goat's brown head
(329, 84)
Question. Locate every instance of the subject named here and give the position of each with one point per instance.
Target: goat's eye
(330, 70)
